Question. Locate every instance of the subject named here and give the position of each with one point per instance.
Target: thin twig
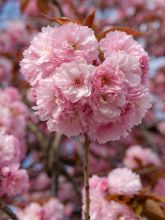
(53, 165)
(86, 178)
(4, 208)
(149, 170)
(39, 134)
(149, 138)
(59, 7)
(72, 180)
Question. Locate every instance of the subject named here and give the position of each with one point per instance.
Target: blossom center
(77, 82)
(105, 80)
(104, 98)
(74, 46)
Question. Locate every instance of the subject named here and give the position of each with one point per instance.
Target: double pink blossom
(13, 112)
(78, 93)
(51, 210)
(10, 151)
(136, 157)
(47, 51)
(121, 181)
(13, 180)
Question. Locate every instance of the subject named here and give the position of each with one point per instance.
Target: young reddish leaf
(59, 20)
(89, 20)
(23, 5)
(112, 197)
(153, 211)
(127, 30)
(62, 20)
(160, 173)
(149, 195)
(156, 197)
(7, 55)
(152, 17)
(138, 209)
(122, 199)
(138, 161)
(43, 6)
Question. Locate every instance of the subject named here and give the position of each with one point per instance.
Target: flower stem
(86, 178)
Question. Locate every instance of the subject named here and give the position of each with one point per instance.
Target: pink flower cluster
(120, 181)
(13, 115)
(13, 180)
(52, 210)
(13, 120)
(78, 92)
(14, 37)
(137, 157)
(123, 181)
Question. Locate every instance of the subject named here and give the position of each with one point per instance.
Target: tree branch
(71, 179)
(4, 208)
(53, 165)
(86, 178)
(57, 4)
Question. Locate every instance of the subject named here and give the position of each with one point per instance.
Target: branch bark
(72, 180)
(86, 178)
(59, 7)
(4, 208)
(53, 163)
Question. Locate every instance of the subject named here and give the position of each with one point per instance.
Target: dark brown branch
(53, 165)
(86, 178)
(71, 179)
(39, 134)
(149, 170)
(57, 4)
(4, 208)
